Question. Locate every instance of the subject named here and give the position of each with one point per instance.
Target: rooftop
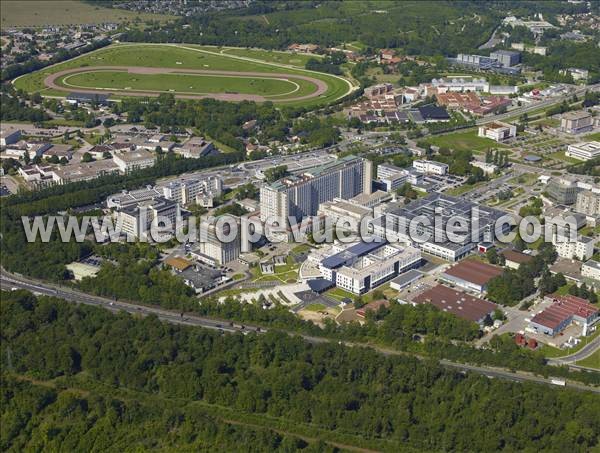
(313, 172)
(474, 271)
(516, 257)
(456, 302)
(563, 308)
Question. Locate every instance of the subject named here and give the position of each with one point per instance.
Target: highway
(11, 282)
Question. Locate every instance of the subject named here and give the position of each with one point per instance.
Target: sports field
(191, 72)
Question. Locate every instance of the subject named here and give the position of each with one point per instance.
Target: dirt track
(50, 81)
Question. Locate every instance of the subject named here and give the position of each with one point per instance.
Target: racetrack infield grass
(188, 83)
(180, 57)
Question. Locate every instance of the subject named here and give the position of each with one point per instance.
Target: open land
(186, 71)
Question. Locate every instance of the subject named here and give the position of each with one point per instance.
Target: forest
(72, 373)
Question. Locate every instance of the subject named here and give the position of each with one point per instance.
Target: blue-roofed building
(362, 266)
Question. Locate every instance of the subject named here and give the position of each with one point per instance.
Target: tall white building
(185, 191)
(497, 131)
(582, 248)
(299, 196)
(430, 167)
(137, 220)
(211, 249)
(588, 203)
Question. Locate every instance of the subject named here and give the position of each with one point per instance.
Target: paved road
(10, 281)
(584, 352)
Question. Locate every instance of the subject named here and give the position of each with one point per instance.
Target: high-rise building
(138, 219)
(563, 190)
(211, 249)
(299, 196)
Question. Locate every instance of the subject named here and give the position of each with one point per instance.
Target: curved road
(51, 82)
(10, 281)
(584, 352)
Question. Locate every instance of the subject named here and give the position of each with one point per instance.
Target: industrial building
(563, 311)
(362, 266)
(458, 303)
(299, 196)
(473, 275)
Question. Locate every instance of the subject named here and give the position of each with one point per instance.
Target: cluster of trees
(362, 398)
(514, 285)
(533, 208)
(497, 157)
(275, 173)
(413, 28)
(12, 108)
(330, 63)
(459, 162)
(584, 292)
(590, 167)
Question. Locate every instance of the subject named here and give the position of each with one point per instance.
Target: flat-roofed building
(514, 258)
(497, 131)
(430, 167)
(195, 148)
(187, 191)
(583, 151)
(576, 122)
(563, 311)
(362, 266)
(84, 171)
(370, 200)
(9, 135)
(211, 249)
(342, 212)
(471, 274)
(591, 269)
(134, 160)
(394, 224)
(562, 190)
(136, 220)
(581, 248)
(299, 196)
(588, 203)
(458, 303)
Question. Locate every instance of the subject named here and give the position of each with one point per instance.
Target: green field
(273, 56)
(593, 361)
(37, 13)
(467, 141)
(183, 57)
(189, 83)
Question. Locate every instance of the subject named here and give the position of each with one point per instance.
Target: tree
(275, 173)
(492, 255)
(87, 157)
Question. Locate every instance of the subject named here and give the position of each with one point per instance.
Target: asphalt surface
(584, 352)
(10, 282)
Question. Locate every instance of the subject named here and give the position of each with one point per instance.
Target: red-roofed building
(563, 311)
(372, 306)
(473, 275)
(514, 259)
(457, 302)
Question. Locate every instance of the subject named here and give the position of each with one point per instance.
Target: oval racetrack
(54, 81)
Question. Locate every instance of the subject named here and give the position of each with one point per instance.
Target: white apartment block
(582, 248)
(591, 269)
(487, 168)
(497, 131)
(211, 249)
(584, 150)
(430, 167)
(187, 191)
(138, 219)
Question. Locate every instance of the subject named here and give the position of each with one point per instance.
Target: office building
(134, 160)
(430, 167)
(576, 122)
(563, 190)
(497, 131)
(187, 191)
(370, 200)
(138, 219)
(439, 208)
(507, 58)
(583, 151)
(342, 211)
(365, 265)
(132, 197)
(211, 249)
(588, 203)
(299, 196)
(459, 84)
(393, 177)
(195, 148)
(563, 311)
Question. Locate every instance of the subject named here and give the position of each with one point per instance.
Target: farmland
(189, 71)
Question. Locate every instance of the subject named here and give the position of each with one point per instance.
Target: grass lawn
(36, 13)
(593, 361)
(456, 191)
(302, 248)
(237, 276)
(316, 307)
(560, 155)
(592, 137)
(468, 141)
(274, 56)
(189, 83)
(528, 179)
(181, 57)
(339, 294)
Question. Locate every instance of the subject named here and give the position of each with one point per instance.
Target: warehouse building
(471, 274)
(563, 311)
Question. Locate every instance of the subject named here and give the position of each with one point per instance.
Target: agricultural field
(188, 71)
(37, 13)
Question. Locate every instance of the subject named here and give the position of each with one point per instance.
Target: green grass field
(273, 56)
(189, 83)
(37, 13)
(593, 361)
(468, 141)
(183, 57)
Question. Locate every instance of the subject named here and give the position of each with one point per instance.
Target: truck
(557, 381)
